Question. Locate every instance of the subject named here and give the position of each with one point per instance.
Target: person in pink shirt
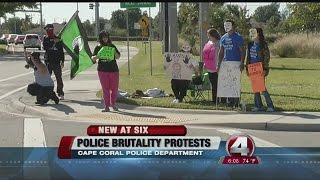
(210, 59)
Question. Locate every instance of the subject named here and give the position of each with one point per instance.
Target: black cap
(48, 26)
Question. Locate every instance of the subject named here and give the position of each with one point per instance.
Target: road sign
(144, 25)
(137, 4)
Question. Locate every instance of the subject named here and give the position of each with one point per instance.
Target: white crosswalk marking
(33, 134)
(258, 142)
(16, 76)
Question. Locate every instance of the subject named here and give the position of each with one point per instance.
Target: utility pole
(161, 20)
(150, 40)
(173, 24)
(165, 34)
(15, 23)
(203, 25)
(128, 41)
(97, 18)
(41, 25)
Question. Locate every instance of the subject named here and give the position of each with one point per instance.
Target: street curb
(265, 126)
(270, 126)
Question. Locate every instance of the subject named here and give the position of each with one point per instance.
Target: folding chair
(198, 86)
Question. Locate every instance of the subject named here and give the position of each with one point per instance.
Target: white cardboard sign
(229, 84)
(178, 65)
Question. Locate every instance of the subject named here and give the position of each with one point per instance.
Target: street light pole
(203, 25)
(97, 18)
(128, 41)
(150, 40)
(41, 25)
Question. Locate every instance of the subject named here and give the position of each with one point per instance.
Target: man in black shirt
(54, 57)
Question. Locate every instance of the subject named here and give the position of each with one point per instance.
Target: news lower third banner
(137, 147)
(157, 152)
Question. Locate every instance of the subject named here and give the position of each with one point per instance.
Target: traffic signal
(91, 6)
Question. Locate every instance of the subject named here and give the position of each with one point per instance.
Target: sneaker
(56, 100)
(270, 110)
(115, 108)
(175, 101)
(61, 97)
(255, 109)
(106, 110)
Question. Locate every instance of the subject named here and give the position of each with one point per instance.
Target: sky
(59, 12)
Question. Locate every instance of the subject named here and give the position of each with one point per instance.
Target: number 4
(240, 146)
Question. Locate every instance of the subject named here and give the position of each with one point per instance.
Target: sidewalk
(81, 104)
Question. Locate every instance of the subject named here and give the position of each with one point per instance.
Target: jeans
(258, 101)
(43, 93)
(179, 88)
(56, 68)
(213, 77)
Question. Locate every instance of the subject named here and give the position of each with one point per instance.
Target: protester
(231, 49)
(106, 54)
(258, 51)
(210, 58)
(54, 57)
(43, 85)
(180, 86)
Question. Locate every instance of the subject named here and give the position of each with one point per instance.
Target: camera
(35, 55)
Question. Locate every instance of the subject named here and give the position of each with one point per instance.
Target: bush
(297, 46)
(3, 42)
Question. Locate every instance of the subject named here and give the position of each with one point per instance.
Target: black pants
(213, 77)
(56, 68)
(43, 93)
(179, 88)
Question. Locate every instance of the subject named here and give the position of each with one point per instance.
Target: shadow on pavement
(95, 103)
(62, 107)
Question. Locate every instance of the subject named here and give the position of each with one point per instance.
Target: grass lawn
(293, 83)
(3, 48)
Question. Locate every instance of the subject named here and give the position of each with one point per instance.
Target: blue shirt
(231, 44)
(254, 53)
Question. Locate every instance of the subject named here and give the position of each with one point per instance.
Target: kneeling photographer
(43, 86)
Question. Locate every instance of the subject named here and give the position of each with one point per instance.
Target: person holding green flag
(106, 54)
(76, 44)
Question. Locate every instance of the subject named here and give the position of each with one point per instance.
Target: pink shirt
(209, 55)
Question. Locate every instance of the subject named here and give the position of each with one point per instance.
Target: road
(14, 78)
(24, 128)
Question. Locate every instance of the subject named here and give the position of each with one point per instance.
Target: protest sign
(178, 66)
(256, 75)
(229, 79)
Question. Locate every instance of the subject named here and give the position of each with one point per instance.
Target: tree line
(294, 18)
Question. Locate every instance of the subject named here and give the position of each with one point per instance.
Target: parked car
(4, 36)
(11, 38)
(19, 39)
(32, 41)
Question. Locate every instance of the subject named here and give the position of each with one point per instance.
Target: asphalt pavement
(82, 108)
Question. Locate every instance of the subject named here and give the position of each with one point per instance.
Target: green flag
(75, 43)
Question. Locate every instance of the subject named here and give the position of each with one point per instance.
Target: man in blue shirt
(231, 49)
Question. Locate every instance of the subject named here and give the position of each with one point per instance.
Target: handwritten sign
(106, 53)
(178, 66)
(229, 79)
(256, 75)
